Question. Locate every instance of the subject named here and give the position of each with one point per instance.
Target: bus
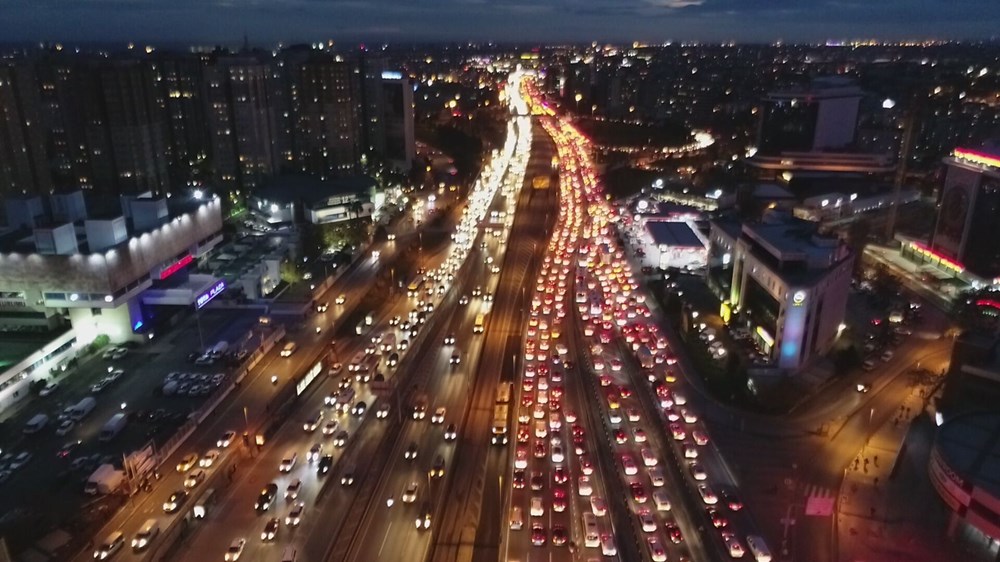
(504, 391)
(480, 323)
(413, 289)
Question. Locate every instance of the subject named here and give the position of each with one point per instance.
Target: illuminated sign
(988, 302)
(175, 267)
(766, 337)
(798, 298)
(210, 294)
(310, 376)
(391, 75)
(932, 255)
(977, 157)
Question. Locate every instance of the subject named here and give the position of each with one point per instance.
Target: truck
(500, 416)
(105, 480)
(36, 424)
(646, 359)
(112, 427)
(83, 408)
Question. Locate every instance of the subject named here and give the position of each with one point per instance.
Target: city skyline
(476, 20)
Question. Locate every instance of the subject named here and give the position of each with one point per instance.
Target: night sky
(269, 21)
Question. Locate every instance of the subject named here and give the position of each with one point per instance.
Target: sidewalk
(887, 510)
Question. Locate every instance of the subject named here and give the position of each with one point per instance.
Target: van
(289, 555)
(36, 424)
(145, 534)
(289, 349)
(758, 548)
(537, 509)
(516, 518)
(111, 545)
(591, 536)
(201, 508)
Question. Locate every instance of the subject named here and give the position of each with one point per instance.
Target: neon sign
(210, 294)
(988, 302)
(798, 298)
(175, 267)
(931, 254)
(977, 157)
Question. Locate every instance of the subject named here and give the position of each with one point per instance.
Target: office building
(787, 285)
(397, 121)
(965, 236)
(23, 166)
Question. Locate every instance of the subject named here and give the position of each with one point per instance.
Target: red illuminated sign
(175, 267)
(988, 302)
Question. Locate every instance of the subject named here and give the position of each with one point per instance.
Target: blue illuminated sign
(210, 294)
(391, 75)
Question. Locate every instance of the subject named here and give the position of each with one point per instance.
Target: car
(731, 500)
(586, 464)
(656, 477)
(690, 451)
(632, 414)
(292, 491)
(707, 495)
(450, 432)
(646, 520)
(559, 535)
(733, 545)
(437, 469)
(411, 451)
(449, 339)
(656, 551)
(325, 464)
(410, 492)
(266, 497)
(294, 516)
(584, 487)
(638, 492)
(235, 550)
(863, 387)
(175, 501)
(194, 478)
(537, 481)
(270, 529)
(330, 427)
(559, 499)
(718, 520)
(560, 475)
(288, 462)
(608, 547)
(518, 478)
(700, 437)
(314, 453)
(677, 431)
(68, 448)
(49, 388)
(628, 464)
(463, 300)
(186, 462)
(619, 435)
(886, 356)
(359, 408)
(65, 427)
(423, 520)
(438, 416)
(341, 299)
(382, 412)
(537, 534)
(639, 435)
(321, 307)
(209, 458)
(598, 506)
(456, 358)
(688, 415)
(674, 532)
(661, 501)
(347, 478)
(697, 471)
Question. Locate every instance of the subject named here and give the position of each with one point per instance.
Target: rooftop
(673, 233)
(970, 444)
(288, 188)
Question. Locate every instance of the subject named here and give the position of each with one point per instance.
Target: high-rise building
(23, 167)
(397, 120)
(323, 101)
(241, 121)
(372, 101)
(181, 95)
(965, 233)
(821, 117)
(125, 128)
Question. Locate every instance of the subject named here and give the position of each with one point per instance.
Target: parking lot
(133, 384)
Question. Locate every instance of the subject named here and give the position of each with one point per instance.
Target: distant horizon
(268, 22)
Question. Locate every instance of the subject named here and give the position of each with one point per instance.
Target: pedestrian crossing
(820, 500)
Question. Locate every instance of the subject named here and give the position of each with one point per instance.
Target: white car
(410, 492)
(698, 472)
(235, 550)
(647, 521)
(292, 491)
(226, 439)
(598, 506)
(438, 416)
(209, 458)
(584, 487)
(656, 551)
(733, 544)
(194, 478)
(288, 463)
